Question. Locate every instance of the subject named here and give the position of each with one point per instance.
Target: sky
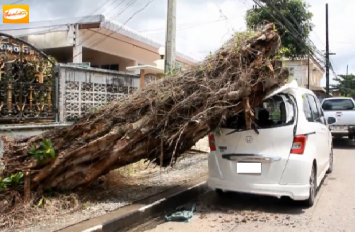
(203, 25)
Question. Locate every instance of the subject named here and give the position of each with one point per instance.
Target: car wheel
(313, 188)
(331, 160)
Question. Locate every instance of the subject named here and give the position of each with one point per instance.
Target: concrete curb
(155, 209)
(144, 210)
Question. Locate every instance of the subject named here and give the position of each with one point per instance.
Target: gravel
(122, 187)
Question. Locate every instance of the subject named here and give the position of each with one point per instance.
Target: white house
(103, 43)
(299, 71)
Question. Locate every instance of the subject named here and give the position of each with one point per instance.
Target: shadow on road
(247, 202)
(343, 143)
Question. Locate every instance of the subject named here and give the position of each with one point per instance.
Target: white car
(343, 109)
(286, 154)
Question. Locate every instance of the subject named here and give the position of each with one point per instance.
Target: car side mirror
(331, 120)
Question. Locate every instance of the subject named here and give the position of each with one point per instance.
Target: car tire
(331, 161)
(313, 188)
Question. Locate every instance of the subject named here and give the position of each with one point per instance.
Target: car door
(321, 131)
(329, 137)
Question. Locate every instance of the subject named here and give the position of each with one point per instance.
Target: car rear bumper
(349, 131)
(295, 192)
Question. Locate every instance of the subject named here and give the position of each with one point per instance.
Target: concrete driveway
(334, 209)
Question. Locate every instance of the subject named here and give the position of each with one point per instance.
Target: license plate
(339, 128)
(249, 168)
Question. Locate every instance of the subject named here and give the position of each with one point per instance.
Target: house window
(291, 71)
(114, 67)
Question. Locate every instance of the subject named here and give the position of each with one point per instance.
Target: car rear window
(338, 104)
(276, 111)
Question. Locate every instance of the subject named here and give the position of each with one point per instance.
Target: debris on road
(182, 215)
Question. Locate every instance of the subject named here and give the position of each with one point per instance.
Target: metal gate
(27, 83)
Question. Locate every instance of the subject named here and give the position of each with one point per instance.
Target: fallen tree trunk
(157, 123)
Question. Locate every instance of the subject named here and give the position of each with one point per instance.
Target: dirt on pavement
(334, 209)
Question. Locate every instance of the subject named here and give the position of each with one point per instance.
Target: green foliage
(2, 184)
(345, 85)
(276, 115)
(53, 59)
(292, 10)
(175, 70)
(12, 181)
(44, 152)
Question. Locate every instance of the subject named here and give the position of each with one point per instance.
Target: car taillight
(212, 142)
(299, 144)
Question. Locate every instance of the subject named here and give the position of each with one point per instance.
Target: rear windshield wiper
(253, 125)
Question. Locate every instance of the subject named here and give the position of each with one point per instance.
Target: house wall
(115, 45)
(301, 72)
(110, 43)
(50, 40)
(82, 90)
(100, 58)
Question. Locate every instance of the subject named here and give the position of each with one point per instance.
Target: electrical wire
(129, 4)
(314, 51)
(107, 36)
(296, 37)
(91, 15)
(192, 26)
(184, 26)
(90, 36)
(134, 14)
(16, 2)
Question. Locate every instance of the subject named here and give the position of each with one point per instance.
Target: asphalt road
(334, 209)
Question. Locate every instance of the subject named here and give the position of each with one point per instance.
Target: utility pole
(308, 72)
(326, 50)
(347, 69)
(170, 37)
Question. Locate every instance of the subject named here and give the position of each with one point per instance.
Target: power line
(16, 2)
(296, 39)
(224, 17)
(314, 51)
(105, 37)
(184, 26)
(88, 37)
(134, 14)
(58, 26)
(189, 27)
(129, 4)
